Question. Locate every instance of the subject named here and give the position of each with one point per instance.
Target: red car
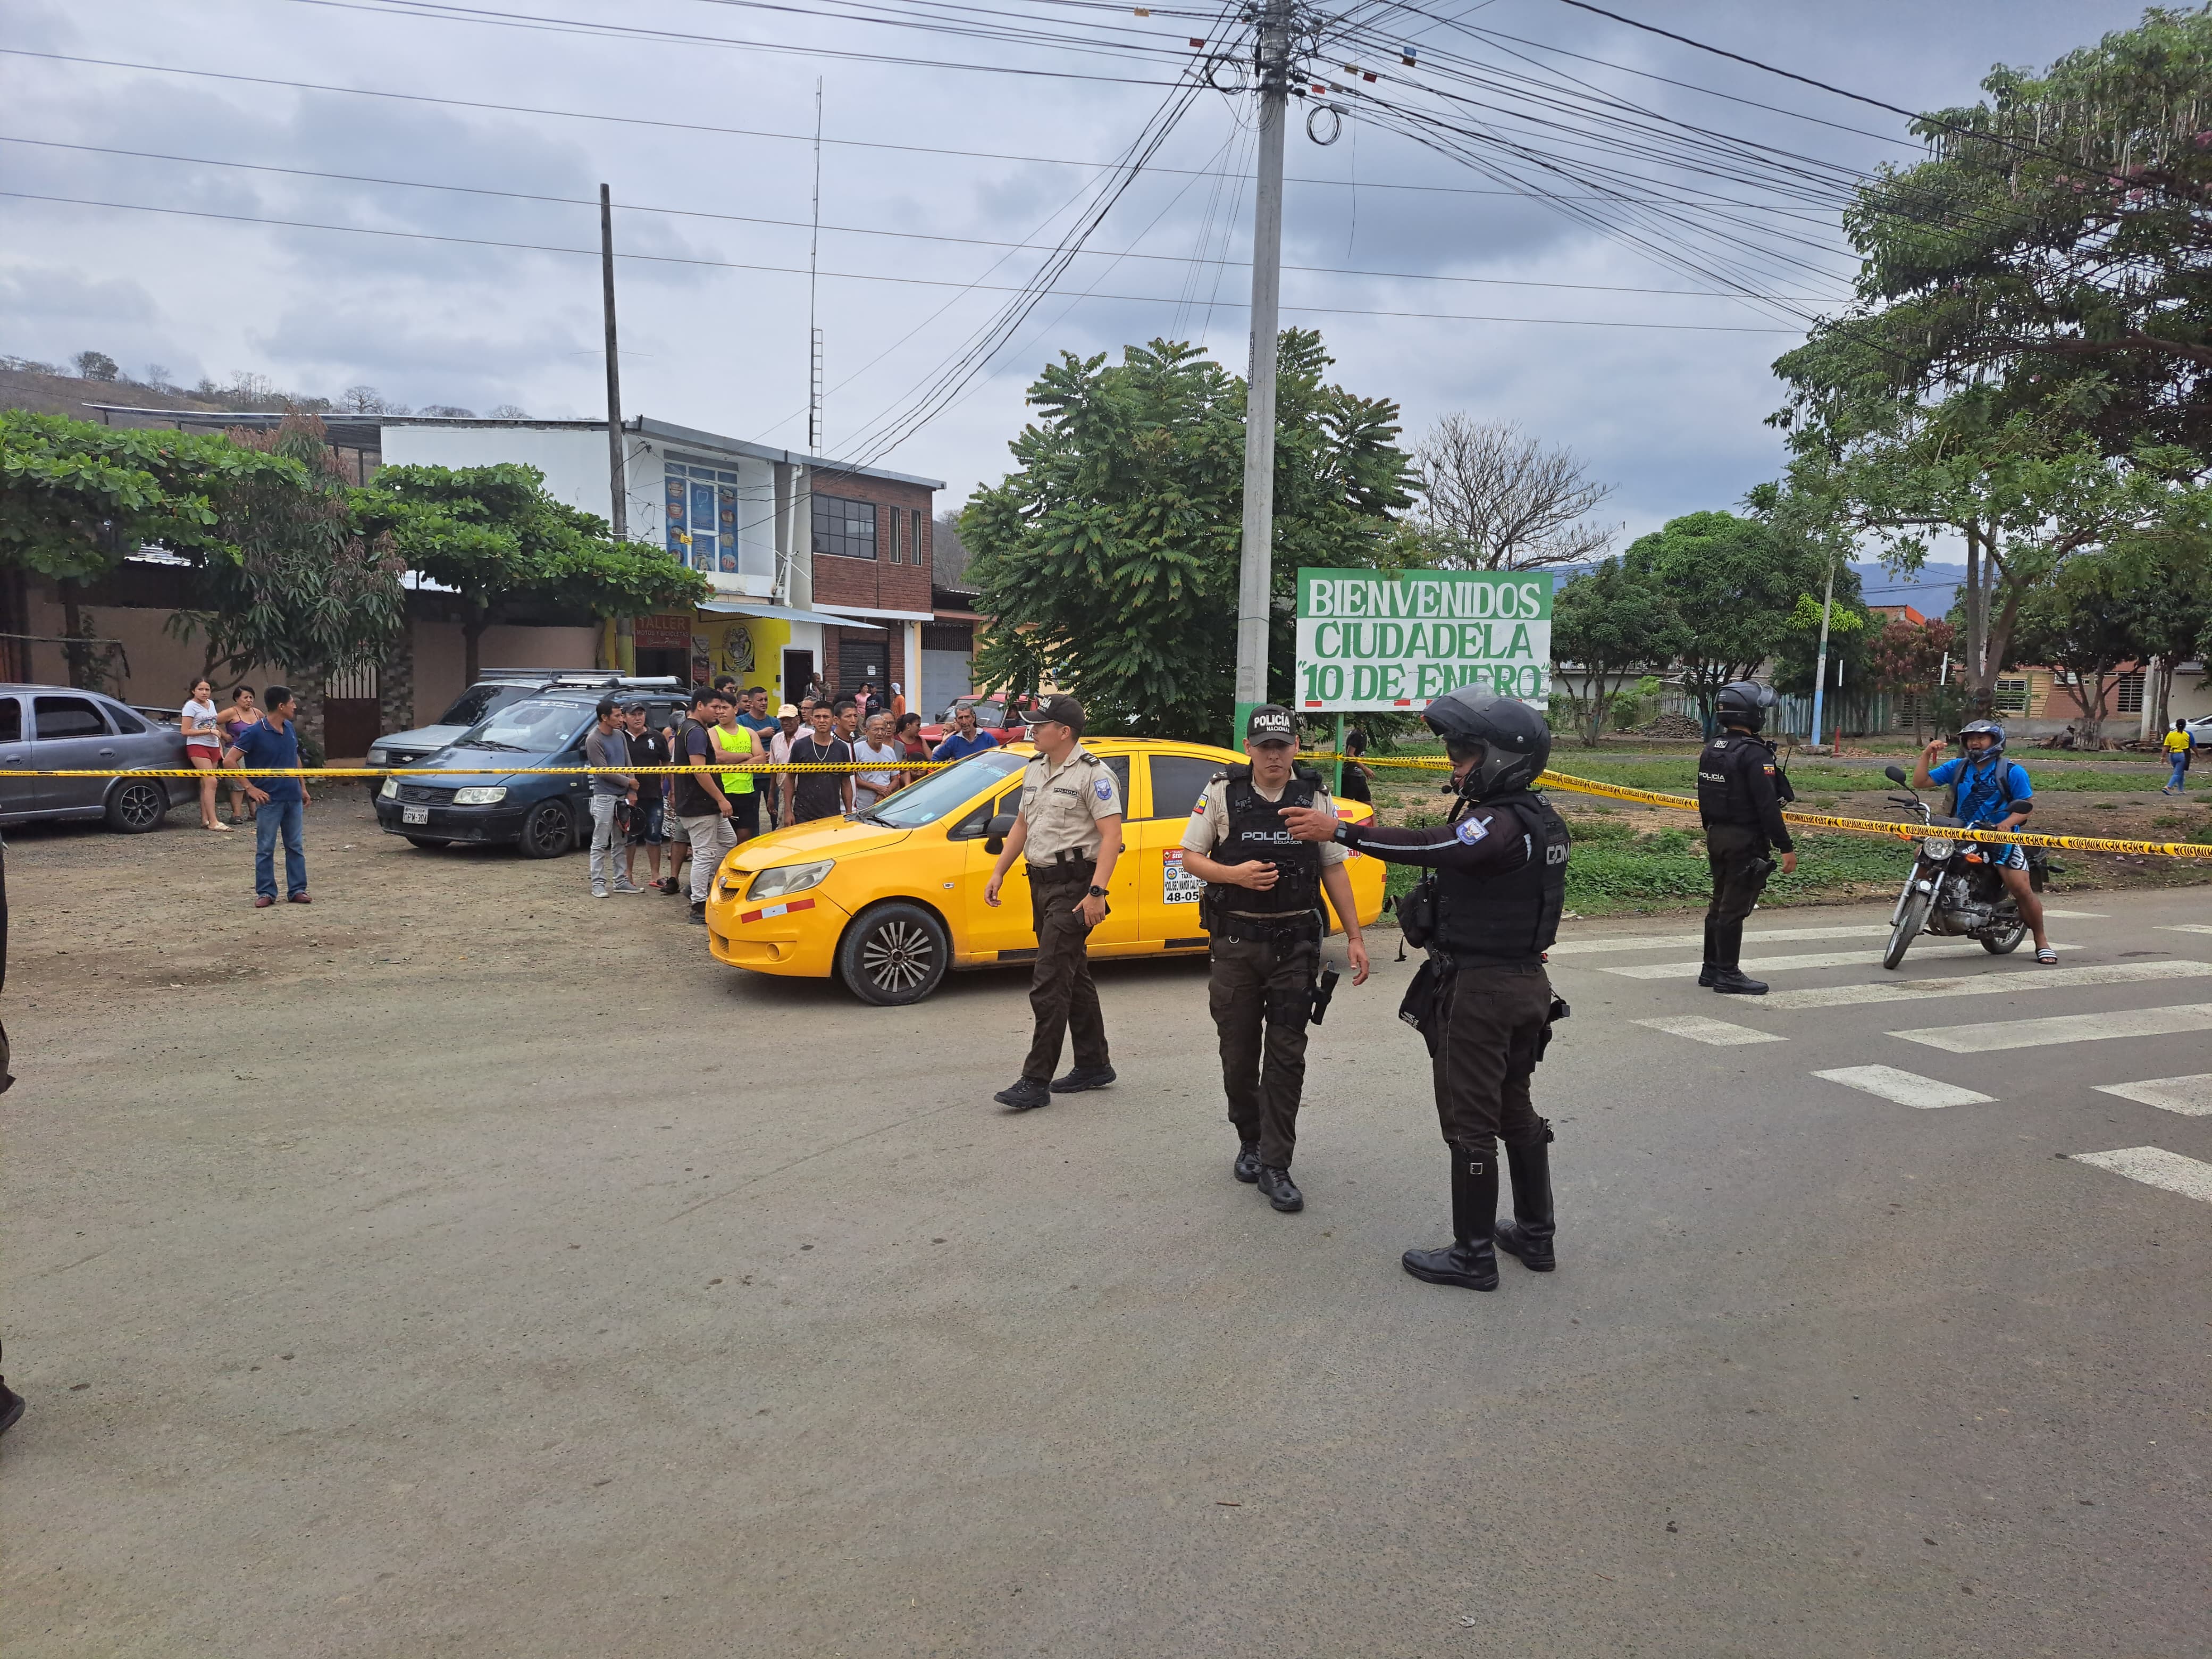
(992, 714)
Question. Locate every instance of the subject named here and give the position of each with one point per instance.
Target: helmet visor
(1464, 749)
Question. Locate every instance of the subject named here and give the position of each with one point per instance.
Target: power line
(854, 275)
(691, 127)
(867, 230)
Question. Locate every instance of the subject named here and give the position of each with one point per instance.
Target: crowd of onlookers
(869, 751)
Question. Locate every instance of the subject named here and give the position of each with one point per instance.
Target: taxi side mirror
(995, 840)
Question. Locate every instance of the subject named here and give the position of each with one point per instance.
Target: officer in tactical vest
(1740, 796)
(1263, 909)
(1485, 914)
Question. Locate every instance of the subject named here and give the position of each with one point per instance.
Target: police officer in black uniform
(1740, 796)
(1485, 917)
(1262, 910)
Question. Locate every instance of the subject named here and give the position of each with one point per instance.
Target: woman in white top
(203, 749)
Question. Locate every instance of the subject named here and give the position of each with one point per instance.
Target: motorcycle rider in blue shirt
(1993, 794)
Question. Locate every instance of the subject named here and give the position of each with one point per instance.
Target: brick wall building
(871, 550)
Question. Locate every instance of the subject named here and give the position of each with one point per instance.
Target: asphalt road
(481, 1309)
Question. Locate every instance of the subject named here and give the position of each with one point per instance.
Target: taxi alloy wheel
(894, 954)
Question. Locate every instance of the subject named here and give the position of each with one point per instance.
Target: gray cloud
(1672, 417)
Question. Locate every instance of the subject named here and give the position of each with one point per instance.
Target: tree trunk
(395, 682)
(473, 633)
(15, 619)
(77, 654)
(307, 685)
(2089, 692)
(1980, 684)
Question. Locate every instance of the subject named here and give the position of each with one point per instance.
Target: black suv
(543, 816)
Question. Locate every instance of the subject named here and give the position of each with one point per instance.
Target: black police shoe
(1536, 1255)
(11, 1407)
(1472, 1265)
(1247, 1167)
(1082, 1077)
(1280, 1190)
(1024, 1096)
(1734, 982)
(1706, 976)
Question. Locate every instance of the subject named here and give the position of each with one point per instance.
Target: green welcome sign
(1399, 639)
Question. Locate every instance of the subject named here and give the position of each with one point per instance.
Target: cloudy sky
(934, 165)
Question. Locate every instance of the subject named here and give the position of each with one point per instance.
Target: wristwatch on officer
(1095, 891)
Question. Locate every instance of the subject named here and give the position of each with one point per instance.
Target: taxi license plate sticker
(414, 815)
(1178, 886)
(790, 909)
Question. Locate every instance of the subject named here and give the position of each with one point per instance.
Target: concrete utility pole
(1255, 567)
(617, 486)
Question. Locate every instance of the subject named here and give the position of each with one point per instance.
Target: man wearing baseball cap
(1263, 909)
(1069, 831)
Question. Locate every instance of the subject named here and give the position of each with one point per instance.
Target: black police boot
(1706, 973)
(1728, 979)
(1083, 1077)
(1280, 1190)
(1024, 1096)
(11, 1407)
(1247, 1167)
(1529, 1234)
(1471, 1261)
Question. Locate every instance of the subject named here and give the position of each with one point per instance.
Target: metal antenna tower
(813, 255)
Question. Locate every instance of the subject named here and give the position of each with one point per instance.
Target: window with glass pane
(844, 528)
(1177, 781)
(894, 528)
(2012, 696)
(703, 522)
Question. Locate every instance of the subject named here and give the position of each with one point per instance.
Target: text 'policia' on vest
(1256, 836)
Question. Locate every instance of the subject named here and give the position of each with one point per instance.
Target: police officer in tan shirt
(1069, 830)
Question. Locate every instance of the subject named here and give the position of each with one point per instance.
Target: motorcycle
(1954, 891)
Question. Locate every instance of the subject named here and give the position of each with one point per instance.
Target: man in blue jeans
(1991, 793)
(279, 802)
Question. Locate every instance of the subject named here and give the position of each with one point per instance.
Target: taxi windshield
(535, 728)
(941, 792)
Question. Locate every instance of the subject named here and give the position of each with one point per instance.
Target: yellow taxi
(889, 900)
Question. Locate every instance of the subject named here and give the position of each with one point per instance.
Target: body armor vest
(1724, 782)
(1508, 919)
(1257, 835)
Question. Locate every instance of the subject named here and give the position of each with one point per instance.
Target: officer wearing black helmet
(1500, 883)
(1740, 796)
(1262, 910)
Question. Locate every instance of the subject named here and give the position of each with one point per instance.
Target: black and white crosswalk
(1954, 1028)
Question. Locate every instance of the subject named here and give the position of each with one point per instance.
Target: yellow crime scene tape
(1900, 831)
(1905, 831)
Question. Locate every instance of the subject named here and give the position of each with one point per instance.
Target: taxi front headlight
(788, 879)
(391, 790)
(480, 794)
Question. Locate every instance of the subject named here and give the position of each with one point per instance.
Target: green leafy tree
(1735, 582)
(1109, 556)
(293, 583)
(496, 537)
(2087, 623)
(1850, 633)
(1615, 624)
(76, 499)
(2052, 248)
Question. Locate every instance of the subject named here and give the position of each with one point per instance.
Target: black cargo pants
(1261, 993)
(1062, 998)
(1489, 1032)
(1738, 858)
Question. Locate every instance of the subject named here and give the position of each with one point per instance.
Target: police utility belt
(1064, 868)
(1293, 927)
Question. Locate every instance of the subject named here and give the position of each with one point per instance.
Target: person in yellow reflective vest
(738, 741)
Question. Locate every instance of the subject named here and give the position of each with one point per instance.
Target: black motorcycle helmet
(1991, 729)
(1512, 738)
(1743, 703)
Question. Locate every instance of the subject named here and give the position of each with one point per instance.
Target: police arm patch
(1472, 831)
(1105, 788)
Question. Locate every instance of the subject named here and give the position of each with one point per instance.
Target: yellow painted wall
(749, 648)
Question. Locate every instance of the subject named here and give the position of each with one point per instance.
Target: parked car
(887, 900)
(499, 688)
(56, 728)
(543, 816)
(992, 714)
